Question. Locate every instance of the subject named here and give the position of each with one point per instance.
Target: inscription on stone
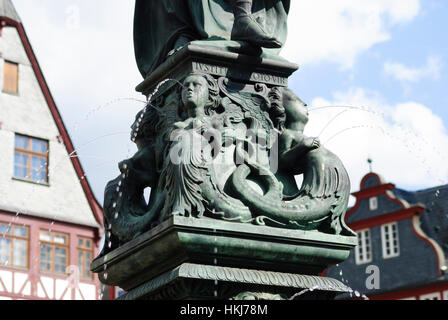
(240, 74)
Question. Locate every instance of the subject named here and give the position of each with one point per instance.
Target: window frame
(83, 249)
(16, 65)
(53, 246)
(30, 154)
(373, 203)
(14, 237)
(385, 241)
(363, 251)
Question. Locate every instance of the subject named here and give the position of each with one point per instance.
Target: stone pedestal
(207, 258)
(231, 62)
(188, 258)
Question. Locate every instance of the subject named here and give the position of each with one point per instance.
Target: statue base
(205, 282)
(236, 61)
(190, 258)
(197, 257)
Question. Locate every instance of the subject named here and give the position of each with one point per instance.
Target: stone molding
(236, 275)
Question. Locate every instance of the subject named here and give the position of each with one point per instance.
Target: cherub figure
(323, 197)
(326, 185)
(293, 144)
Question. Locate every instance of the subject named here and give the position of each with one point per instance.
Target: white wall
(28, 113)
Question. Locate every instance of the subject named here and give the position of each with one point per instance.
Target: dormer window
(373, 203)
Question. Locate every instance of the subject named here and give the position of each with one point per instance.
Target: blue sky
(387, 59)
(411, 44)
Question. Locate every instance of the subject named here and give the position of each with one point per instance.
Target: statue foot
(246, 28)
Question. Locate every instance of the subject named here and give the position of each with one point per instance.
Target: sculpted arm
(290, 155)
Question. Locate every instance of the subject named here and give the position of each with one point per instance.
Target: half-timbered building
(50, 221)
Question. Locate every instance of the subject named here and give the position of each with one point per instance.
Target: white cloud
(338, 31)
(88, 61)
(400, 72)
(79, 52)
(407, 142)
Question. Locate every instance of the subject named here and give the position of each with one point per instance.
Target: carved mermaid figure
(186, 160)
(189, 154)
(323, 197)
(193, 183)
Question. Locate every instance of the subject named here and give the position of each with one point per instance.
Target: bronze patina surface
(220, 143)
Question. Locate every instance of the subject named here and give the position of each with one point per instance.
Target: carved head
(296, 110)
(200, 93)
(277, 111)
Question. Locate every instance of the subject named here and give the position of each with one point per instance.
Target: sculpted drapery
(163, 25)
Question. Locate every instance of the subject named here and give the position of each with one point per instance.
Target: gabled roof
(432, 201)
(434, 220)
(422, 225)
(7, 10)
(9, 16)
(405, 195)
(392, 203)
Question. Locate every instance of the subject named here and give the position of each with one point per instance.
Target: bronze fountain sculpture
(220, 143)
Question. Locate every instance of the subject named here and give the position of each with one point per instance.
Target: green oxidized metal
(220, 143)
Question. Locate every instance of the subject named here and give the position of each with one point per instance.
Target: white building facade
(50, 221)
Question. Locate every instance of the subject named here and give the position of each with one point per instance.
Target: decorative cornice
(399, 215)
(373, 191)
(235, 275)
(383, 189)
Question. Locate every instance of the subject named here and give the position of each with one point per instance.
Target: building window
(373, 203)
(14, 244)
(85, 255)
(431, 296)
(10, 77)
(389, 236)
(364, 249)
(54, 249)
(31, 159)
